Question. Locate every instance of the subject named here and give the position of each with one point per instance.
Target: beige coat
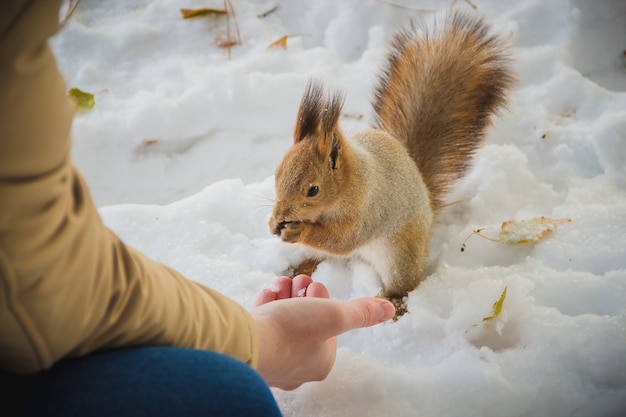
(68, 285)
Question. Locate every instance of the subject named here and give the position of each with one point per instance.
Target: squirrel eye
(313, 191)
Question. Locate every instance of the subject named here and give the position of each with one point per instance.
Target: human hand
(298, 327)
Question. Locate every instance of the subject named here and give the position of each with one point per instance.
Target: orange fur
(375, 194)
(453, 81)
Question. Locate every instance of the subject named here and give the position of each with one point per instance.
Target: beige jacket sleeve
(68, 285)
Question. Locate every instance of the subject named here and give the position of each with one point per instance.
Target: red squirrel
(375, 194)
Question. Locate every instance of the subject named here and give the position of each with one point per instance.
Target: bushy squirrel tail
(438, 92)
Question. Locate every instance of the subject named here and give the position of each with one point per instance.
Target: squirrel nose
(279, 227)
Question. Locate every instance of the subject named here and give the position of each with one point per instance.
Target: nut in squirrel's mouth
(286, 225)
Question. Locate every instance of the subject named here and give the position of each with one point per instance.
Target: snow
(182, 144)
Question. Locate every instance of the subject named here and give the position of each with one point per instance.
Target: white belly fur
(377, 253)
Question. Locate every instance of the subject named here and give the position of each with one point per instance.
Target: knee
(155, 381)
(216, 383)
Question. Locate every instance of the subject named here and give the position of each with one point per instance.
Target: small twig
(452, 203)
(267, 13)
(477, 232)
(70, 11)
(232, 10)
(469, 2)
(228, 44)
(400, 6)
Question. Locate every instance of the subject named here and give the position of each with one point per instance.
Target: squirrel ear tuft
(330, 114)
(335, 146)
(309, 114)
(331, 135)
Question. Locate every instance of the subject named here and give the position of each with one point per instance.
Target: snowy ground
(182, 144)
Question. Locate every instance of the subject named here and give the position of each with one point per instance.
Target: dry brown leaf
(189, 13)
(531, 230)
(521, 231)
(279, 44)
(229, 12)
(282, 42)
(226, 43)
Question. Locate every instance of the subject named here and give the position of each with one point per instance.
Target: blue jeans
(141, 381)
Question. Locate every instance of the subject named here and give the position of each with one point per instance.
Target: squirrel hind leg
(306, 267)
(407, 269)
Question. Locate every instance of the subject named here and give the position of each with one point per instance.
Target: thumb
(364, 312)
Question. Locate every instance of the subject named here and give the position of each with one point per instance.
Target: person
(90, 326)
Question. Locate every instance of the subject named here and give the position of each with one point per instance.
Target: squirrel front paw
(289, 231)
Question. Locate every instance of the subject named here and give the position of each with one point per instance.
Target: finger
(317, 290)
(299, 285)
(264, 297)
(283, 287)
(364, 312)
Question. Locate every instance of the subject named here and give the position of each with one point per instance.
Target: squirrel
(376, 194)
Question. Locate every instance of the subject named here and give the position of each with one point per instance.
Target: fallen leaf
(229, 11)
(189, 13)
(282, 42)
(279, 44)
(226, 43)
(497, 307)
(488, 331)
(521, 231)
(531, 230)
(84, 100)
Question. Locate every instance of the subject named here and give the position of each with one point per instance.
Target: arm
(68, 286)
